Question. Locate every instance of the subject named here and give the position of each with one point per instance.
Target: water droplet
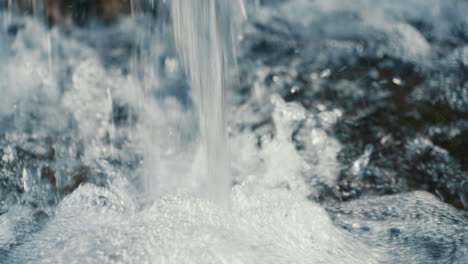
(325, 73)
(397, 81)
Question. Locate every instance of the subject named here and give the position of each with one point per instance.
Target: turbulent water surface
(343, 137)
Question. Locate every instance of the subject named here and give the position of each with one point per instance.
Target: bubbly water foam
(132, 122)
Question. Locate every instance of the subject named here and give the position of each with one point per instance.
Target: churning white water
(122, 143)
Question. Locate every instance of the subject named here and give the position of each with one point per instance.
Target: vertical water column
(203, 31)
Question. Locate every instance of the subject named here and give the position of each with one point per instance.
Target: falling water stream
(216, 131)
(204, 37)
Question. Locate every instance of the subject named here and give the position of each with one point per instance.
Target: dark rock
(76, 178)
(47, 174)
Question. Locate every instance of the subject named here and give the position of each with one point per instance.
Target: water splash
(86, 111)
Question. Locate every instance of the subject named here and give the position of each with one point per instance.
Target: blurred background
(78, 12)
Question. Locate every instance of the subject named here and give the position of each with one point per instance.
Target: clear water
(115, 108)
